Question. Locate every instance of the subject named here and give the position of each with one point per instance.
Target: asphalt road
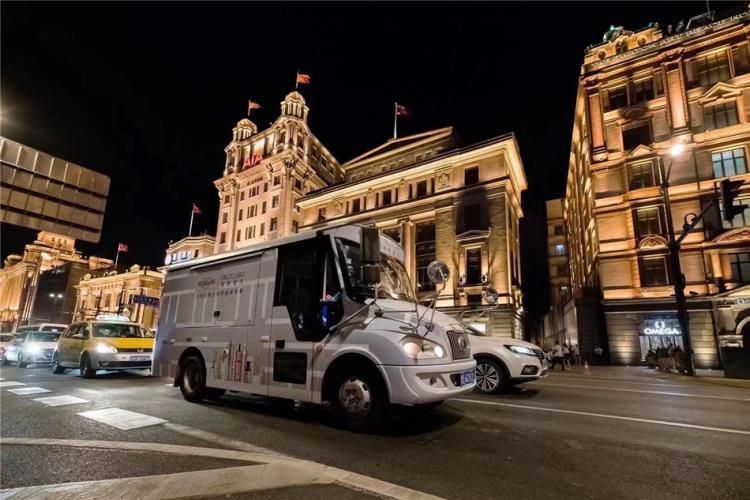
(618, 433)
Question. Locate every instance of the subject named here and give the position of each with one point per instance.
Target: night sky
(148, 93)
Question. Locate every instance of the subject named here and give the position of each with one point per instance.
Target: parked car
(5, 340)
(31, 347)
(504, 362)
(106, 343)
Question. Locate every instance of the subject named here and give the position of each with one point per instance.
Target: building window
(239, 235)
(559, 230)
(295, 226)
(226, 198)
(425, 253)
(474, 299)
(298, 184)
(265, 187)
(720, 115)
(473, 266)
(642, 175)
(263, 208)
(253, 210)
(471, 176)
(712, 68)
(559, 249)
(740, 265)
(275, 201)
(321, 214)
(635, 136)
(355, 206)
(239, 215)
(729, 163)
(741, 219)
(643, 91)
(224, 217)
(222, 238)
(618, 98)
(472, 217)
(242, 195)
(274, 225)
(421, 188)
(654, 271)
(262, 228)
(277, 180)
(561, 270)
(387, 198)
(648, 221)
(393, 233)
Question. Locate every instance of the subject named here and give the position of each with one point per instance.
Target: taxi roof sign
(111, 317)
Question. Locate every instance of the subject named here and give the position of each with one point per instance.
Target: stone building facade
(640, 94)
(441, 201)
(555, 329)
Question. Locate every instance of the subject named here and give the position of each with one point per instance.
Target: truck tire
(193, 381)
(87, 371)
(359, 398)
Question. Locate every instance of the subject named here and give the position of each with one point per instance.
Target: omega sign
(659, 326)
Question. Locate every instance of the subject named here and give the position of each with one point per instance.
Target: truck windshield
(394, 282)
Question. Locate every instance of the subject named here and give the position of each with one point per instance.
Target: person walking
(558, 356)
(566, 356)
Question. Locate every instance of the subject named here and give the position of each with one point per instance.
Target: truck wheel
(55, 366)
(193, 381)
(359, 398)
(490, 376)
(87, 371)
(21, 362)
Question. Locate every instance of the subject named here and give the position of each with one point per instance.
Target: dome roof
(245, 123)
(294, 95)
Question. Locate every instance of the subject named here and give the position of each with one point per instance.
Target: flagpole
(117, 257)
(192, 214)
(395, 119)
(296, 81)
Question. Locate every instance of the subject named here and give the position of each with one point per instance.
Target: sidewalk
(706, 377)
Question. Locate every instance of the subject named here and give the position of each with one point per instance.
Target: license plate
(467, 377)
(140, 358)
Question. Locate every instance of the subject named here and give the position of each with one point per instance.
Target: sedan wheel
(21, 363)
(489, 376)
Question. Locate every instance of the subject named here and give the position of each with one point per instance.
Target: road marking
(643, 391)
(606, 415)
(61, 400)
(122, 419)
(10, 383)
(210, 437)
(28, 390)
(321, 473)
(608, 379)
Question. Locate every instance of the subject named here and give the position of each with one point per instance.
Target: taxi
(109, 342)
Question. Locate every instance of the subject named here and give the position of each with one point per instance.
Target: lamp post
(55, 297)
(674, 261)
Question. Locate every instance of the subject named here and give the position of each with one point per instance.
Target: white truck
(326, 317)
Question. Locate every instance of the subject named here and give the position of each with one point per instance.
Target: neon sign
(251, 161)
(660, 327)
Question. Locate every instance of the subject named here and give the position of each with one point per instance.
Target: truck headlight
(517, 349)
(422, 348)
(103, 348)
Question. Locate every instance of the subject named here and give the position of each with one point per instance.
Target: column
(445, 237)
(407, 243)
(596, 120)
(675, 89)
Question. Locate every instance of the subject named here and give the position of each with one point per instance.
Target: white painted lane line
(61, 400)
(643, 391)
(10, 383)
(1, 379)
(211, 437)
(122, 419)
(23, 391)
(607, 380)
(605, 415)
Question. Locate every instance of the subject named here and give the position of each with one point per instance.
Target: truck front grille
(460, 348)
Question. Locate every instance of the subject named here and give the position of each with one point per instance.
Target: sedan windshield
(121, 331)
(43, 337)
(394, 282)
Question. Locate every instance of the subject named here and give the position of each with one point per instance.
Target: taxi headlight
(105, 348)
(422, 348)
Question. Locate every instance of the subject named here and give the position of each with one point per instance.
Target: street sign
(146, 300)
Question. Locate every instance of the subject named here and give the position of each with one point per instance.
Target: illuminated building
(559, 276)
(189, 248)
(639, 94)
(461, 205)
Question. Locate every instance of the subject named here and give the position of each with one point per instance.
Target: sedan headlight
(33, 349)
(417, 348)
(105, 348)
(518, 349)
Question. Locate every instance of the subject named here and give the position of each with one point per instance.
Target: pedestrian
(557, 356)
(598, 351)
(566, 355)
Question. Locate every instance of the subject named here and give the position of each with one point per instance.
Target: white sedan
(31, 347)
(504, 362)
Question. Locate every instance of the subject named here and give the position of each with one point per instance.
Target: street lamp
(55, 297)
(674, 260)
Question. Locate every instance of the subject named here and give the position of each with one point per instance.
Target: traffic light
(729, 191)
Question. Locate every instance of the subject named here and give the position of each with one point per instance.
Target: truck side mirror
(370, 245)
(438, 272)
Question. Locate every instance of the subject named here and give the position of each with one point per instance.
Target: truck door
(296, 323)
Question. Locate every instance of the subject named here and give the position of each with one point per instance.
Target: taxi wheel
(55, 366)
(87, 371)
(490, 376)
(21, 362)
(360, 401)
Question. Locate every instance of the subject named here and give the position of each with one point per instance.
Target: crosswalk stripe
(25, 391)
(10, 383)
(122, 419)
(61, 400)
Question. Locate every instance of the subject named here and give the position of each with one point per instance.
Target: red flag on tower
(302, 78)
(122, 247)
(402, 110)
(196, 210)
(251, 106)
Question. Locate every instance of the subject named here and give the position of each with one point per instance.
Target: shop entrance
(654, 342)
